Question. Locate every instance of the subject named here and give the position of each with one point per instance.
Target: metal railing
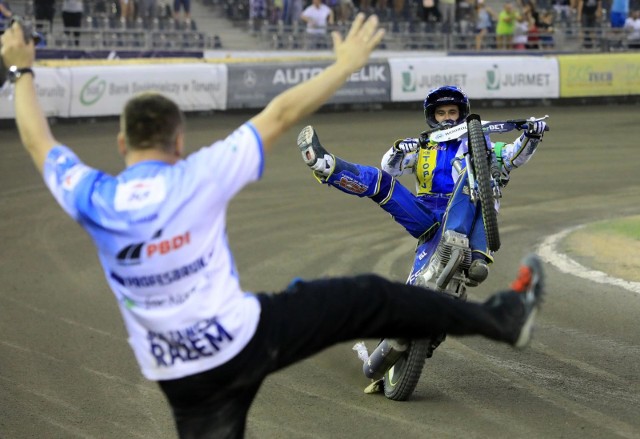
(122, 39)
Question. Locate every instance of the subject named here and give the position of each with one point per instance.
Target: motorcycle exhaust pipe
(384, 357)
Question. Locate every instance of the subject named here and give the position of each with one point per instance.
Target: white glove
(536, 129)
(406, 145)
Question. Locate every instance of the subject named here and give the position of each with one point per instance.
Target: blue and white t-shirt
(160, 231)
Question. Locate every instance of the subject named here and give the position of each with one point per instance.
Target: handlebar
(446, 131)
(521, 124)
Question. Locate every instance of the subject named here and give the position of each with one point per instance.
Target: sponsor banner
(481, 77)
(613, 74)
(103, 91)
(254, 85)
(52, 88)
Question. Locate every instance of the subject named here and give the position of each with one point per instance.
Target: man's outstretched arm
(32, 125)
(296, 103)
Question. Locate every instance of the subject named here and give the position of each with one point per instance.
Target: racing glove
(406, 145)
(535, 130)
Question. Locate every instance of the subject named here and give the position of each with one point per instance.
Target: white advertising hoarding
(482, 77)
(103, 91)
(52, 88)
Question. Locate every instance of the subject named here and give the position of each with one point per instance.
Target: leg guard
(360, 180)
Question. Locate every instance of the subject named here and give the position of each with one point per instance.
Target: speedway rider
(421, 214)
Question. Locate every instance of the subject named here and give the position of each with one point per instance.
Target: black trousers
(302, 321)
(72, 21)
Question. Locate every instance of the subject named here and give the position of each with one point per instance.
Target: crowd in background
(514, 25)
(490, 24)
(72, 12)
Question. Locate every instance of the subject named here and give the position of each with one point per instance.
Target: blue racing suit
(423, 212)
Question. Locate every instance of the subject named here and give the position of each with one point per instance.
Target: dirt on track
(66, 370)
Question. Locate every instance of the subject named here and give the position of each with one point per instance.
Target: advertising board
(481, 77)
(254, 85)
(103, 90)
(52, 88)
(615, 74)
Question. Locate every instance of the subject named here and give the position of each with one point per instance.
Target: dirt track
(66, 370)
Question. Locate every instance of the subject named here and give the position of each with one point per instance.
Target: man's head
(446, 103)
(151, 121)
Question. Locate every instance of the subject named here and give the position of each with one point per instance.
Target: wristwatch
(16, 72)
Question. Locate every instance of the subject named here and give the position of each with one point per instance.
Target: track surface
(66, 370)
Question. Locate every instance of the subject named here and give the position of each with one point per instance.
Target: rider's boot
(516, 309)
(478, 272)
(313, 153)
(363, 181)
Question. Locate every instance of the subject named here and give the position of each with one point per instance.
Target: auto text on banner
(613, 74)
(52, 88)
(103, 91)
(481, 77)
(254, 85)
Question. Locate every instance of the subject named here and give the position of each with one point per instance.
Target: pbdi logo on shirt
(132, 253)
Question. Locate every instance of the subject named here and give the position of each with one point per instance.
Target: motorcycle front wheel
(401, 380)
(478, 147)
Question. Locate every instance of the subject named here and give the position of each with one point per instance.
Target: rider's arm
(400, 158)
(513, 155)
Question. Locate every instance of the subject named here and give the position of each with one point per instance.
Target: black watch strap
(16, 72)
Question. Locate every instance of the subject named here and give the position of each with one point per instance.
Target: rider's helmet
(449, 94)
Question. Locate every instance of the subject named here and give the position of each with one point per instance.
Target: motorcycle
(441, 262)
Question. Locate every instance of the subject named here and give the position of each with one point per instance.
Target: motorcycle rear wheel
(478, 147)
(401, 380)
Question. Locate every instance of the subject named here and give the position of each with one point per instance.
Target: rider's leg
(415, 214)
(311, 316)
(481, 256)
(464, 217)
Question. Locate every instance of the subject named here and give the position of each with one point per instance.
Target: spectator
(520, 32)
(563, 12)
(465, 16)
(292, 9)
(72, 12)
(618, 17)
(317, 16)
(400, 10)
(345, 11)
(529, 8)
(148, 10)
(533, 36)
(185, 6)
(430, 11)
(506, 26)
(485, 18)
(5, 12)
(364, 6)
(546, 30)
(257, 13)
(632, 26)
(127, 10)
(447, 14)
(589, 14)
(619, 12)
(44, 10)
(334, 5)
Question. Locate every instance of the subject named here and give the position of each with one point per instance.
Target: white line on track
(547, 251)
